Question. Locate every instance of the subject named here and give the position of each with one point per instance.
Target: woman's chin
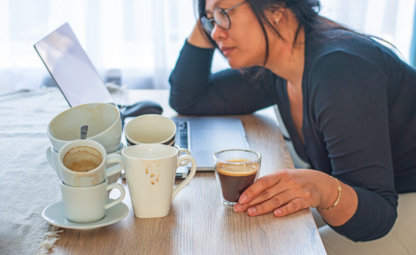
(237, 64)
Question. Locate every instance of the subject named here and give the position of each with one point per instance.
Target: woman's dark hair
(305, 11)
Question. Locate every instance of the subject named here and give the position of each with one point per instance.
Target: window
(143, 38)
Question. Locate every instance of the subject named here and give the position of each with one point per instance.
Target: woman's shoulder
(347, 46)
(344, 65)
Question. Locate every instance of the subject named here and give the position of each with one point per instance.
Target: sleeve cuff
(368, 223)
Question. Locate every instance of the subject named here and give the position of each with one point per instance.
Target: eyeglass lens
(220, 17)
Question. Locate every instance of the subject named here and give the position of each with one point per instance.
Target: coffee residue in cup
(82, 159)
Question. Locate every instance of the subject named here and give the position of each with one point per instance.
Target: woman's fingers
(284, 192)
(267, 194)
(271, 204)
(259, 186)
(291, 207)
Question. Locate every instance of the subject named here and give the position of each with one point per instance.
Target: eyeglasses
(219, 17)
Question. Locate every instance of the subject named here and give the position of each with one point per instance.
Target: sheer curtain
(140, 41)
(391, 20)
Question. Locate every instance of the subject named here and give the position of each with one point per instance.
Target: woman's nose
(218, 33)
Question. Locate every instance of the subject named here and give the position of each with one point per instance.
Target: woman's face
(243, 44)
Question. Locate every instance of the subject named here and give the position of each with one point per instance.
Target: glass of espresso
(236, 170)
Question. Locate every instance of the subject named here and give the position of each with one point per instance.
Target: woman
(349, 105)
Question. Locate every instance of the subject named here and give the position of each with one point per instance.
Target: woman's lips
(226, 50)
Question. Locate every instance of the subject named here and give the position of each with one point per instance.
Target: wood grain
(198, 223)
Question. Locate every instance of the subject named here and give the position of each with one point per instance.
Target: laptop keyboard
(181, 138)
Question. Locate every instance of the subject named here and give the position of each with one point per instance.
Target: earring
(276, 21)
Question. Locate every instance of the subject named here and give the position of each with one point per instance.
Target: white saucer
(55, 215)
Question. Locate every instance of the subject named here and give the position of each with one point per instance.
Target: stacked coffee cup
(87, 169)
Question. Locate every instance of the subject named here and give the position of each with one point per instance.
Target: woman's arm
(196, 91)
(352, 112)
(349, 95)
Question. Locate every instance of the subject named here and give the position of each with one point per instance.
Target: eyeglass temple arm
(235, 6)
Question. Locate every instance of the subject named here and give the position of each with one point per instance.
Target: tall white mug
(150, 173)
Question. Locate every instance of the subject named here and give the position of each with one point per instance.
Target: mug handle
(118, 200)
(190, 176)
(115, 158)
(51, 161)
(180, 151)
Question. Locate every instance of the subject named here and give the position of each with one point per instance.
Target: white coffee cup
(150, 172)
(91, 177)
(150, 128)
(88, 204)
(103, 120)
(53, 159)
(153, 128)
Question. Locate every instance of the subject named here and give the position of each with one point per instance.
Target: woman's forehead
(211, 4)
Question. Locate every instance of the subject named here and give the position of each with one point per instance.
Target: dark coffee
(236, 178)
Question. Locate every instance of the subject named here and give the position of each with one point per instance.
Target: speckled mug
(150, 173)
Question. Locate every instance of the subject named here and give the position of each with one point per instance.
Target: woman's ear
(277, 15)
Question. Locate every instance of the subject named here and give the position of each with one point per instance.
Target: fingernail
(237, 207)
(242, 199)
(252, 211)
(277, 212)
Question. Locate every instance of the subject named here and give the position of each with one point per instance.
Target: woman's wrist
(331, 193)
(336, 201)
(345, 208)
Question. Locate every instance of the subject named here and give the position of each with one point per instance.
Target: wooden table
(198, 223)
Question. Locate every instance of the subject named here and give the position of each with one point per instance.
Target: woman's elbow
(384, 226)
(180, 107)
(180, 110)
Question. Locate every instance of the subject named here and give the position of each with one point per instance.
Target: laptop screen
(71, 68)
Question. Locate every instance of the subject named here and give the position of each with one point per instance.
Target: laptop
(80, 83)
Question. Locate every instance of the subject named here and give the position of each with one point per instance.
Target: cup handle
(118, 200)
(190, 176)
(51, 161)
(182, 150)
(115, 158)
(49, 156)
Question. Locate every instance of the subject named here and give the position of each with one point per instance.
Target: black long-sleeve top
(359, 116)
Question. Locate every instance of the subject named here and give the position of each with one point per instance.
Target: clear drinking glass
(236, 170)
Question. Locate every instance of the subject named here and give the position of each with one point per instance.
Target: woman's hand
(288, 191)
(198, 37)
